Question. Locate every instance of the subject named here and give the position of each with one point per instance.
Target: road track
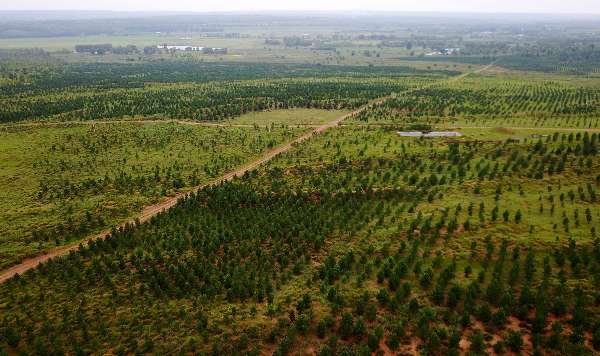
(152, 210)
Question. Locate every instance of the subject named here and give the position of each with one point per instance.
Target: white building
(181, 48)
(205, 50)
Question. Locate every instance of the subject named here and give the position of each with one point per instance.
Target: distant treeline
(116, 26)
(569, 60)
(94, 48)
(134, 75)
(457, 59)
(22, 53)
(296, 41)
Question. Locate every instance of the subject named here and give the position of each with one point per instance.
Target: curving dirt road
(153, 210)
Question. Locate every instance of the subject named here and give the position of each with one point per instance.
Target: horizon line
(313, 11)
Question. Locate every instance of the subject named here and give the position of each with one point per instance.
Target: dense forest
(566, 59)
(56, 76)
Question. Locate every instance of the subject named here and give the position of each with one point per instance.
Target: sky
(518, 6)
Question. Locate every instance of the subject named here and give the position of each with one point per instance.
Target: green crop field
(378, 184)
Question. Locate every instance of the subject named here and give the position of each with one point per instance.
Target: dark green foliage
(477, 343)
(346, 326)
(126, 89)
(514, 340)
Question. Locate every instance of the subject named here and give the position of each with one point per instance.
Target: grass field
(291, 117)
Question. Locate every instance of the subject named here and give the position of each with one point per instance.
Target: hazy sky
(536, 6)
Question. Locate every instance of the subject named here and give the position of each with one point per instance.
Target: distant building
(180, 48)
(451, 51)
(205, 50)
(410, 133)
(444, 52)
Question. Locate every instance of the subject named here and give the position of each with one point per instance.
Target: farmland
(299, 221)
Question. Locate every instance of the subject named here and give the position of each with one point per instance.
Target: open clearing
(290, 117)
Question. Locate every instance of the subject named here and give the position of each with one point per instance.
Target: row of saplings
(442, 101)
(201, 102)
(396, 314)
(205, 248)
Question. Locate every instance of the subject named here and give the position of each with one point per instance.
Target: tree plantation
(63, 182)
(135, 92)
(383, 245)
(299, 184)
(486, 100)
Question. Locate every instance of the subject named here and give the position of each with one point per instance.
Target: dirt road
(151, 121)
(153, 210)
